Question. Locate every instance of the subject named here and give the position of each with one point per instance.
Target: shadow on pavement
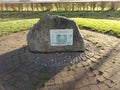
(95, 66)
(23, 70)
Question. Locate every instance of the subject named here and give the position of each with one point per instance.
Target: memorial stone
(54, 33)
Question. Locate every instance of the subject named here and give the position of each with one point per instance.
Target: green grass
(111, 27)
(16, 26)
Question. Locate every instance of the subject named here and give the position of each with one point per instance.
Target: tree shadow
(94, 66)
(23, 70)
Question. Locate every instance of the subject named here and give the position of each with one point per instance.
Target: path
(22, 70)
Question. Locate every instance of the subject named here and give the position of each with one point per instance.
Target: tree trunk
(32, 6)
(6, 6)
(2, 7)
(112, 6)
(37, 6)
(73, 6)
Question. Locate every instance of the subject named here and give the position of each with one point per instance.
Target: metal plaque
(61, 37)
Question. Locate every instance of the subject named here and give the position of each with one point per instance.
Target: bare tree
(117, 6)
(73, 6)
(27, 6)
(13, 6)
(93, 5)
(102, 5)
(112, 6)
(42, 6)
(87, 5)
(1, 7)
(37, 6)
(32, 6)
(83, 5)
(48, 6)
(79, 6)
(58, 6)
(65, 6)
(6, 6)
(20, 6)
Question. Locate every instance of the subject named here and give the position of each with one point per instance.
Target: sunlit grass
(16, 26)
(111, 27)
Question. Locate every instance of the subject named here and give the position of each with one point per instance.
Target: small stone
(94, 87)
(38, 58)
(1, 87)
(85, 82)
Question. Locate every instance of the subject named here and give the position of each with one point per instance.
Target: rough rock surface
(38, 37)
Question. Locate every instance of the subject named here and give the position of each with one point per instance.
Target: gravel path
(98, 68)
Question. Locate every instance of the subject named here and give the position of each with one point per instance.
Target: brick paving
(18, 71)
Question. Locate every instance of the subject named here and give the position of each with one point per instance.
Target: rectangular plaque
(61, 37)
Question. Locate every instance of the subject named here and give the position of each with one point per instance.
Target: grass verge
(111, 27)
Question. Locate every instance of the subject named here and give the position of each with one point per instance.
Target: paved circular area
(58, 59)
(96, 69)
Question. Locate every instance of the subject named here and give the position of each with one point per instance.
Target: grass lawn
(111, 27)
(16, 26)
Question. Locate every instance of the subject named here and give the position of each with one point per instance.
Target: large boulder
(54, 33)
